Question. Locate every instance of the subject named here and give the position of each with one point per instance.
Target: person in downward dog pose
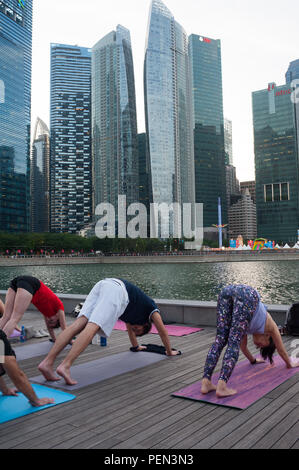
(239, 313)
(23, 291)
(108, 301)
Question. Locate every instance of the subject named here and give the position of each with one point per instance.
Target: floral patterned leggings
(235, 308)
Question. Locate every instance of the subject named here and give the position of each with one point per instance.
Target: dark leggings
(235, 308)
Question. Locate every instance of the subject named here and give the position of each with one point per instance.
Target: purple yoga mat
(173, 330)
(251, 382)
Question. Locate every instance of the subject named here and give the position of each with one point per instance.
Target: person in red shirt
(23, 291)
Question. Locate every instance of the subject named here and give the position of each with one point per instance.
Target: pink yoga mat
(15, 334)
(173, 330)
(252, 382)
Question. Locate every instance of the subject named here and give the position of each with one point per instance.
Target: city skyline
(255, 49)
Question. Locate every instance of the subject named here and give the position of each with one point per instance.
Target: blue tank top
(140, 306)
(258, 321)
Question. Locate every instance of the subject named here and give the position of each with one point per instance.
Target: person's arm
(272, 329)
(133, 338)
(22, 383)
(7, 391)
(247, 353)
(62, 320)
(158, 322)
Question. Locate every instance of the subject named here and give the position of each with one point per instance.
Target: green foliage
(36, 242)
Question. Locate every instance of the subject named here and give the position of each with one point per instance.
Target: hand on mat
(11, 392)
(174, 353)
(259, 361)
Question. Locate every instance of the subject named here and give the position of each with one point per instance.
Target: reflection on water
(276, 281)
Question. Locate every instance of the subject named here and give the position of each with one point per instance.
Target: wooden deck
(136, 410)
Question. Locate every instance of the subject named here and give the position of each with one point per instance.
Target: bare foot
(48, 372)
(65, 373)
(223, 391)
(207, 386)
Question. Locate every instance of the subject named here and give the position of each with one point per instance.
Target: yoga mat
(104, 368)
(15, 334)
(252, 382)
(173, 330)
(27, 351)
(16, 407)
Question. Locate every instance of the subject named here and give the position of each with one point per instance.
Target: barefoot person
(240, 312)
(24, 290)
(108, 301)
(8, 364)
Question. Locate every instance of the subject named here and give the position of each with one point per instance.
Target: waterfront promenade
(162, 258)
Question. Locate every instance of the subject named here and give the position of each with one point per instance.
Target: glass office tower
(15, 108)
(70, 128)
(168, 108)
(40, 178)
(276, 163)
(209, 153)
(114, 121)
(293, 71)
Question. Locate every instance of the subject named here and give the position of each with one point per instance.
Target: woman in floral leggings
(239, 312)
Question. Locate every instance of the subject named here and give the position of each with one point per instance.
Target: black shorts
(29, 283)
(8, 351)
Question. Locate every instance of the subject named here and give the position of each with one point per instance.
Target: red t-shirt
(46, 301)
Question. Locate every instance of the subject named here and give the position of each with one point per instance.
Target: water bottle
(23, 335)
(103, 341)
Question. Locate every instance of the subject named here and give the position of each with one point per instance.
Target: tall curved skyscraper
(40, 178)
(114, 122)
(168, 108)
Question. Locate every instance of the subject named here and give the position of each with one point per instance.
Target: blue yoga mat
(16, 407)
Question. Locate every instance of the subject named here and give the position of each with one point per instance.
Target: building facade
(275, 119)
(168, 110)
(293, 71)
(242, 217)
(228, 141)
(15, 111)
(70, 128)
(114, 120)
(250, 185)
(40, 178)
(209, 150)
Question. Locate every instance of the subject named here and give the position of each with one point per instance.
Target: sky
(259, 38)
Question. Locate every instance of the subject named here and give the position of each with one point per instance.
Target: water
(276, 281)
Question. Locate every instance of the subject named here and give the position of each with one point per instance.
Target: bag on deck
(292, 320)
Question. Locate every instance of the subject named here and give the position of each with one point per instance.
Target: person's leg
(224, 317)
(8, 307)
(78, 347)
(21, 303)
(245, 303)
(65, 337)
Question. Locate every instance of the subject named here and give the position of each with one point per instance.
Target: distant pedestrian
(23, 291)
(239, 313)
(108, 301)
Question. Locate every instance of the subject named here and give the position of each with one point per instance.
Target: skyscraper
(168, 108)
(70, 128)
(40, 178)
(275, 120)
(209, 153)
(114, 121)
(15, 109)
(228, 141)
(293, 71)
